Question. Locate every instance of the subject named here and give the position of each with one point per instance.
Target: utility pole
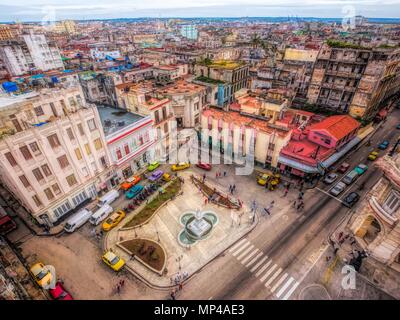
(391, 153)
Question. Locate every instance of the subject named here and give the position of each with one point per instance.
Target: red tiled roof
(337, 126)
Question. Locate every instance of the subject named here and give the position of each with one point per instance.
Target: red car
(205, 166)
(59, 293)
(343, 168)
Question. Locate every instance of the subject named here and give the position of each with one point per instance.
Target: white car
(330, 178)
(338, 189)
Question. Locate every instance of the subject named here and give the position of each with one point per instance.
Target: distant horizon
(288, 18)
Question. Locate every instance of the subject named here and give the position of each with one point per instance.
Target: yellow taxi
(113, 220)
(373, 155)
(263, 179)
(113, 261)
(41, 274)
(180, 166)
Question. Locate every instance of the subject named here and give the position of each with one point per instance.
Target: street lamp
(179, 260)
(391, 153)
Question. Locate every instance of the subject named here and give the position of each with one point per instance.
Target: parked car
(330, 178)
(156, 175)
(383, 145)
(134, 191)
(152, 166)
(108, 198)
(130, 182)
(373, 155)
(180, 166)
(41, 274)
(59, 292)
(113, 220)
(351, 199)
(398, 126)
(113, 261)
(77, 220)
(263, 179)
(338, 188)
(361, 168)
(350, 177)
(100, 214)
(204, 166)
(7, 224)
(343, 168)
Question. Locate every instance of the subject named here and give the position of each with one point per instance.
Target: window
(49, 194)
(87, 148)
(10, 159)
(63, 209)
(79, 198)
(103, 162)
(97, 144)
(53, 140)
(24, 181)
(71, 180)
(85, 172)
(26, 153)
(78, 154)
(94, 166)
(53, 109)
(392, 202)
(56, 188)
(91, 125)
(126, 148)
(157, 116)
(271, 146)
(166, 127)
(38, 174)
(118, 153)
(63, 161)
(46, 170)
(70, 134)
(35, 148)
(164, 112)
(37, 201)
(39, 111)
(80, 128)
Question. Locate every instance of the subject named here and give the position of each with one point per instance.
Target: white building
(52, 151)
(30, 52)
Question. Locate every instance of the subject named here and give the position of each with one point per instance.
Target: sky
(39, 10)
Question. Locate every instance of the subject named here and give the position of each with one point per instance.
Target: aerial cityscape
(186, 151)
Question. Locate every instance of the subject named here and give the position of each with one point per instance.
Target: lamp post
(179, 261)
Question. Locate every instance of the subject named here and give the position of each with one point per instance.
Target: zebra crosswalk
(280, 283)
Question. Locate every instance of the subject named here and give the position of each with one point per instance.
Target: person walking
(233, 188)
(172, 294)
(224, 173)
(118, 289)
(180, 286)
(286, 192)
(216, 175)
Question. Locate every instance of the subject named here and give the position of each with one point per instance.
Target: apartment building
(230, 77)
(30, 52)
(375, 225)
(53, 154)
(129, 139)
(354, 79)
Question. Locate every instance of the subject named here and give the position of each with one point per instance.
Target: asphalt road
(286, 258)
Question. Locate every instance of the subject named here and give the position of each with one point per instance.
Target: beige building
(53, 155)
(376, 224)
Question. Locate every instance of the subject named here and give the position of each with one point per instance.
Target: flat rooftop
(114, 119)
(9, 99)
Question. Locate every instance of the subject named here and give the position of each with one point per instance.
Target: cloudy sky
(36, 10)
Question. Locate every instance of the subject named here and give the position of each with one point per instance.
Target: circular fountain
(197, 225)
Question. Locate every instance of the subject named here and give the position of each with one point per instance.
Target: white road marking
(313, 264)
(263, 268)
(279, 282)
(239, 257)
(237, 245)
(241, 248)
(285, 286)
(258, 264)
(266, 275)
(287, 296)
(328, 194)
(275, 275)
(249, 256)
(254, 259)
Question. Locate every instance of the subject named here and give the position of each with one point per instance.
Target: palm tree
(255, 40)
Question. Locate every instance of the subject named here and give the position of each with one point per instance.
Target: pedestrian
(205, 201)
(118, 289)
(216, 175)
(234, 188)
(204, 177)
(294, 203)
(172, 295)
(122, 283)
(180, 286)
(286, 192)
(230, 188)
(224, 173)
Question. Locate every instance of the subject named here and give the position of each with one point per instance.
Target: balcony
(378, 209)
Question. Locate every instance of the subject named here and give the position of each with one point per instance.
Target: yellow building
(5, 32)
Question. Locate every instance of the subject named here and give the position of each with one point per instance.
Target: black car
(351, 199)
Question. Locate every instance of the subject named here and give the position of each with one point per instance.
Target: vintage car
(113, 220)
(113, 261)
(130, 182)
(134, 191)
(156, 175)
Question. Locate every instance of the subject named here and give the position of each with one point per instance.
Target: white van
(100, 214)
(77, 220)
(108, 198)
